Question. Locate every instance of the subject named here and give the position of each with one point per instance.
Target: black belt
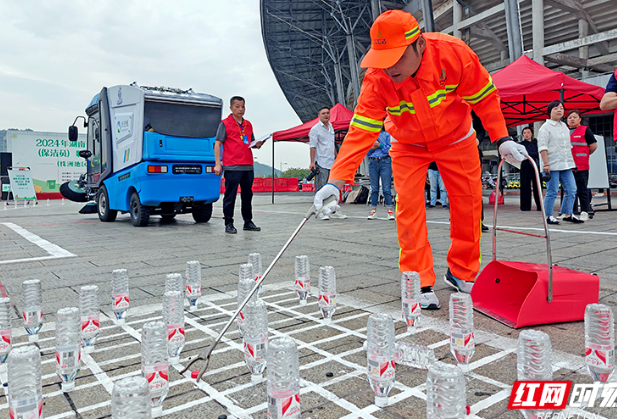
(379, 158)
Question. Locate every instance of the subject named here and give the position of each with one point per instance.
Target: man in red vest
(609, 100)
(584, 143)
(236, 134)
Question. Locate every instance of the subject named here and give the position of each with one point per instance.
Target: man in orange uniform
(425, 86)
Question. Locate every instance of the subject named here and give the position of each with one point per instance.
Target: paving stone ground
(67, 250)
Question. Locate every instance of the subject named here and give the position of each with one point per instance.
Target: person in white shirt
(323, 153)
(556, 153)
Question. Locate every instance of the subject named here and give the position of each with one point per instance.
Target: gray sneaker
(429, 301)
(338, 215)
(458, 284)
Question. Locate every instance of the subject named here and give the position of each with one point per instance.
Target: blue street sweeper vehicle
(150, 150)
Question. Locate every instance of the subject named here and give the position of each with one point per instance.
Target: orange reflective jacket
(431, 109)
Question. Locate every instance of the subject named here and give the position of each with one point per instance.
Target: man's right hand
(218, 169)
(312, 166)
(513, 152)
(324, 193)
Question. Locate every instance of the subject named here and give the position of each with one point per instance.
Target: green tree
(296, 172)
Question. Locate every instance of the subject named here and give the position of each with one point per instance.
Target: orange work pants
(459, 167)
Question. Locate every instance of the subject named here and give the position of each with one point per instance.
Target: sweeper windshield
(181, 119)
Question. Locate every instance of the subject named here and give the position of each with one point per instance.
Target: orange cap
(391, 34)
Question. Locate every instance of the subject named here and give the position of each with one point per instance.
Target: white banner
(598, 171)
(51, 157)
(21, 184)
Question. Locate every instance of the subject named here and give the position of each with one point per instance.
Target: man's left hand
(258, 144)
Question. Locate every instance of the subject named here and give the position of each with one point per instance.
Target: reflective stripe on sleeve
(582, 144)
(402, 107)
(366, 124)
(486, 90)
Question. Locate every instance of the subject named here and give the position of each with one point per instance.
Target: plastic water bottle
(255, 338)
(462, 343)
(414, 355)
(47, 202)
(90, 320)
(410, 299)
(445, 392)
(599, 342)
(246, 281)
(130, 399)
(155, 363)
(24, 379)
(303, 278)
(193, 283)
(62, 201)
(5, 331)
(255, 260)
(120, 294)
(327, 293)
(33, 308)
(283, 379)
(381, 352)
(534, 354)
(533, 363)
(174, 282)
(173, 315)
(68, 346)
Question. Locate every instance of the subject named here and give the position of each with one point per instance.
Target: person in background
(437, 182)
(323, 152)
(583, 145)
(235, 134)
(528, 174)
(380, 167)
(555, 151)
(480, 136)
(609, 100)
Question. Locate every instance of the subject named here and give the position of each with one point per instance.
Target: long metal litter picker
(205, 355)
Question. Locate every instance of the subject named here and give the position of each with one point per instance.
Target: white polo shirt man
(323, 152)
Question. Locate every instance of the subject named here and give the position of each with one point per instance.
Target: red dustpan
(521, 294)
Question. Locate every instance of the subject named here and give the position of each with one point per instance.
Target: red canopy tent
(340, 118)
(526, 88)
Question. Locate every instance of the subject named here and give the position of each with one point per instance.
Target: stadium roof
(307, 44)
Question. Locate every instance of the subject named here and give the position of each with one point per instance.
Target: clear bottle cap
(68, 387)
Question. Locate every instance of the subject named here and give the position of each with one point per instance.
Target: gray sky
(55, 55)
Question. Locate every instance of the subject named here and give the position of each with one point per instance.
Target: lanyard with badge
(245, 139)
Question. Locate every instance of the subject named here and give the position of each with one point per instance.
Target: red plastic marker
(468, 410)
(194, 374)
